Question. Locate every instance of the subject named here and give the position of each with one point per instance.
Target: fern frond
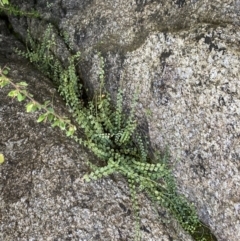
(102, 171)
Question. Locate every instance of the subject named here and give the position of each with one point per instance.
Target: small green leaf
(46, 102)
(5, 71)
(95, 178)
(62, 125)
(30, 107)
(3, 82)
(4, 2)
(20, 97)
(71, 130)
(23, 84)
(50, 116)
(50, 109)
(36, 106)
(86, 178)
(55, 123)
(13, 93)
(1, 158)
(41, 118)
(68, 133)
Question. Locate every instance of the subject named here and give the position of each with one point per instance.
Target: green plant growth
(41, 53)
(4, 2)
(111, 134)
(1, 158)
(20, 92)
(9, 9)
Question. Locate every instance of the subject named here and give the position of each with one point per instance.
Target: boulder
(42, 193)
(183, 57)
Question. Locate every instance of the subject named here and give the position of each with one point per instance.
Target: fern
(68, 84)
(112, 135)
(9, 9)
(40, 53)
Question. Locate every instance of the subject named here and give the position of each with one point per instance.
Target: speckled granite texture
(183, 56)
(42, 194)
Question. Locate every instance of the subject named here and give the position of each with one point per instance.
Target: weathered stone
(42, 194)
(183, 56)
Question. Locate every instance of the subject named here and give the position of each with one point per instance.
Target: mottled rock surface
(42, 194)
(184, 56)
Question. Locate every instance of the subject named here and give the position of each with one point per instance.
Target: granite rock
(42, 192)
(183, 57)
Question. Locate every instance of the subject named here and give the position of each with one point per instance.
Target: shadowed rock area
(183, 56)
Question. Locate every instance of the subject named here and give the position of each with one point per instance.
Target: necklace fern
(112, 135)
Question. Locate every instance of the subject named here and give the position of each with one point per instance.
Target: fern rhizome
(112, 135)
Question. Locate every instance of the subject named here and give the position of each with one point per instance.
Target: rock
(184, 58)
(43, 196)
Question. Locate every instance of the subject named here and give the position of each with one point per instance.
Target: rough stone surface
(42, 194)
(183, 56)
